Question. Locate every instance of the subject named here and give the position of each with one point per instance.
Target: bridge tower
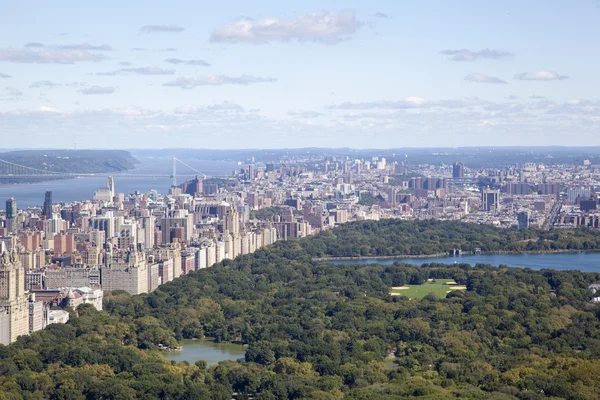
(174, 176)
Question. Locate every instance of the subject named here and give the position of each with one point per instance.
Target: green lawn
(439, 287)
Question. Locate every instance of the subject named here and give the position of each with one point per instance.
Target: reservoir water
(70, 190)
(582, 261)
(207, 350)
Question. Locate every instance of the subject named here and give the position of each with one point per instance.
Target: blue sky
(272, 74)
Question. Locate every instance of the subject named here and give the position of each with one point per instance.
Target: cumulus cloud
(382, 15)
(162, 28)
(5, 76)
(82, 46)
(324, 27)
(98, 90)
(469, 55)
(223, 108)
(407, 102)
(217, 80)
(540, 76)
(139, 71)
(168, 49)
(63, 56)
(177, 61)
(480, 78)
(50, 84)
(125, 63)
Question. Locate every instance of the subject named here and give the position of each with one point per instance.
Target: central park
(324, 330)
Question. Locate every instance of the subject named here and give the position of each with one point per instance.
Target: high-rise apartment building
(490, 199)
(14, 304)
(523, 219)
(458, 170)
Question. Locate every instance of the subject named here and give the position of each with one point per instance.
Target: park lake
(207, 350)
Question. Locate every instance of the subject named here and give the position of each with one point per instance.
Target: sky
(280, 74)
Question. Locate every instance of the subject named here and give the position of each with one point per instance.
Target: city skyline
(319, 74)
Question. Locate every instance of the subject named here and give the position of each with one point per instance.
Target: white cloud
(162, 28)
(13, 91)
(177, 61)
(98, 90)
(540, 76)
(4, 76)
(407, 102)
(480, 78)
(48, 109)
(304, 114)
(382, 15)
(324, 27)
(139, 71)
(49, 84)
(469, 55)
(410, 103)
(217, 80)
(49, 56)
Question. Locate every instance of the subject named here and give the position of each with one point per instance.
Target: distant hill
(83, 161)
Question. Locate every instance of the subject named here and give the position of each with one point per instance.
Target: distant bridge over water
(16, 172)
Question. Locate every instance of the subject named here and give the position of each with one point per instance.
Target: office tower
(11, 214)
(251, 172)
(11, 208)
(523, 219)
(47, 210)
(270, 167)
(14, 306)
(111, 186)
(490, 199)
(458, 170)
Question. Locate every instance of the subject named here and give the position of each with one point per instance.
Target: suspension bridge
(15, 172)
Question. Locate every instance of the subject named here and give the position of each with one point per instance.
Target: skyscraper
(458, 170)
(11, 208)
(47, 210)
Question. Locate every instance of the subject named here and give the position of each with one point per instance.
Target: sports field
(441, 287)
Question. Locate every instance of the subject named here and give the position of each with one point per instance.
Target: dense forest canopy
(323, 331)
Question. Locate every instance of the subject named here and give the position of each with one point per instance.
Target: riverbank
(464, 254)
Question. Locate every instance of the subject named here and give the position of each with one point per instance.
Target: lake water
(207, 350)
(70, 190)
(586, 262)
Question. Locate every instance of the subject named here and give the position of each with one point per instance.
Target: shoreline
(446, 255)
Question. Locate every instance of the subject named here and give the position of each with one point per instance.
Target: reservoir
(582, 261)
(207, 350)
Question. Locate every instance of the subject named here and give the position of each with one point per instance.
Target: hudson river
(70, 190)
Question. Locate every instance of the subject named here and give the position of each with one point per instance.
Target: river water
(582, 261)
(70, 190)
(207, 350)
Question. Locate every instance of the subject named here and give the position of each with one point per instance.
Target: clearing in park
(441, 287)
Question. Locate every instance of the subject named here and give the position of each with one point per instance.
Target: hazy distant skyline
(269, 74)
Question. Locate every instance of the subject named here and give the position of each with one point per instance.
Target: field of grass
(441, 287)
